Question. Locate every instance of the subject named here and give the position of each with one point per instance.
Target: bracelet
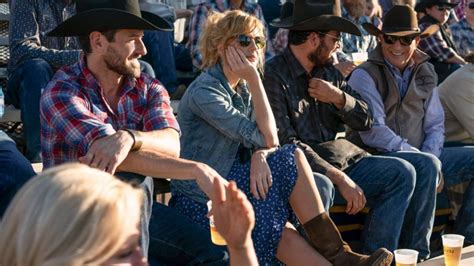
(137, 141)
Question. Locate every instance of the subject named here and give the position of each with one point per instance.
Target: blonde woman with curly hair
(73, 215)
(227, 123)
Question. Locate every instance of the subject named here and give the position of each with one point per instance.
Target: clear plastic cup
(406, 257)
(359, 58)
(452, 246)
(216, 237)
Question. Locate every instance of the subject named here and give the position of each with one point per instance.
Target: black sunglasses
(471, 5)
(337, 39)
(404, 40)
(443, 8)
(245, 41)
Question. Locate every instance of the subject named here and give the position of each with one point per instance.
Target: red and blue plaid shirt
(74, 112)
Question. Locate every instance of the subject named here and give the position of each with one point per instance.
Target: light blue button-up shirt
(381, 136)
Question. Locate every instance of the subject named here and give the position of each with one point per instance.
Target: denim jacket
(215, 120)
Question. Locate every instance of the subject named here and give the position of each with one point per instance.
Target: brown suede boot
(325, 237)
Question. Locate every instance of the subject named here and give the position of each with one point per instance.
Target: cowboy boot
(326, 239)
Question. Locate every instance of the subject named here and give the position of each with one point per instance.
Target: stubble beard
(114, 62)
(318, 58)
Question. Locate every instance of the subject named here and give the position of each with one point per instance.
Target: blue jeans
(388, 185)
(458, 167)
(177, 240)
(146, 183)
(15, 171)
(25, 85)
(165, 57)
(419, 218)
(326, 190)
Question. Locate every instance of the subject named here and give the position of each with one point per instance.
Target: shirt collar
(395, 70)
(93, 84)
(295, 67)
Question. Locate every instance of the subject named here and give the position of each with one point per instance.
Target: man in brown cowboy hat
(311, 103)
(440, 46)
(102, 111)
(399, 84)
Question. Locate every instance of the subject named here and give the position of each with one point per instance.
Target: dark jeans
(25, 85)
(170, 238)
(15, 171)
(146, 183)
(166, 57)
(177, 240)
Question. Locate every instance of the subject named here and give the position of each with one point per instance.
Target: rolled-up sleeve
(159, 114)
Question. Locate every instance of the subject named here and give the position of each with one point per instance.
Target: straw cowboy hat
(310, 15)
(103, 15)
(400, 21)
(420, 6)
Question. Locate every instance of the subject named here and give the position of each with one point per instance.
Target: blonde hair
(68, 215)
(221, 29)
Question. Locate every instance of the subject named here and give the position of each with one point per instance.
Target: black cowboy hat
(285, 12)
(420, 6)
(103, 15)
(400, 20)
(316, 15)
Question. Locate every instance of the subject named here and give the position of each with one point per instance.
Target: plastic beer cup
(452, 245)
(215, 236)
(359, 58)
(405, 257)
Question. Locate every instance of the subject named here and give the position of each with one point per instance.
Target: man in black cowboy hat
(34, 57)
(440, 46)
(103, 112)
(311, 103)
(399, 84)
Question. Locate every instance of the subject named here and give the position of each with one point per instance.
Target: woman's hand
(260, 174)
(233, 214)
(240, 65)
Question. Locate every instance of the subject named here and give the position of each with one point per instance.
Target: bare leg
(319, 227)
(305, 200)
(293, 249)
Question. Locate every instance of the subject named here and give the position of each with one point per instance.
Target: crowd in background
(264, 90)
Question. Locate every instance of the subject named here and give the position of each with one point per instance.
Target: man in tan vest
(399, 84)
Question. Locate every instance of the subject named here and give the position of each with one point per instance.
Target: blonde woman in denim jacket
(227, 123)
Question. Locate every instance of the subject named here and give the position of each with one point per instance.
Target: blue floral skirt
(271, 214)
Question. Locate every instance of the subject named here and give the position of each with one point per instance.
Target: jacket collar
(217, 72)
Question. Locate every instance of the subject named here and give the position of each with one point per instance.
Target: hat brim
(373, 30)
(420, 7)
(108, 19)
(322, 22)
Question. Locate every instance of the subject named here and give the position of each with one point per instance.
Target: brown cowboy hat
(400, 20)
(310, 15)
(421, 5)
(103, 15)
